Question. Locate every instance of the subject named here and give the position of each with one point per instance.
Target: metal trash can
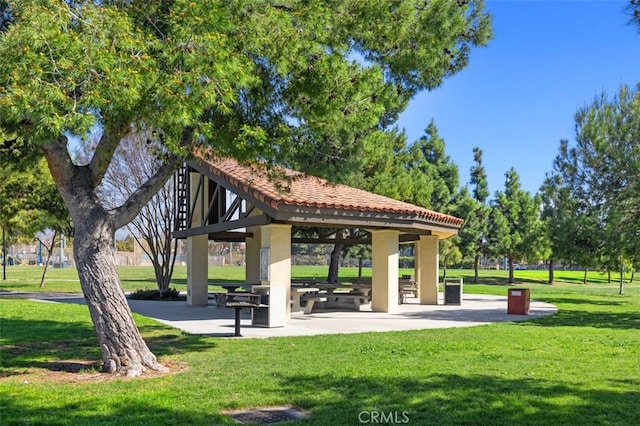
(453, 291)
(518, 301)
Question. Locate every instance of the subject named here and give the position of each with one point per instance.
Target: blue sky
(518, 96)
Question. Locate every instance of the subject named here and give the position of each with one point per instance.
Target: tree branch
(138, 199)
(105, 149)
(132, 206)
(60, 164)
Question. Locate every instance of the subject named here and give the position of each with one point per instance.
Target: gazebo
(223, 200)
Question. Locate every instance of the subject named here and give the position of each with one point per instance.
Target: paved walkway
(212, 320)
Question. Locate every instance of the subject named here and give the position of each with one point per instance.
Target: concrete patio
(213, 320)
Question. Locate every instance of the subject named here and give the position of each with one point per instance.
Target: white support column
(197, 270)
(427, 269)
(385, 271)
(276, 256)
(197, 247)
(252, 255)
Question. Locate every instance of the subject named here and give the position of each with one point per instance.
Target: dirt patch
(74, 371)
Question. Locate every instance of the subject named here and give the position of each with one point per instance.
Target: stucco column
(197, 247)
(275, 254)
(384, 281)
(427, 269)
(252, 255)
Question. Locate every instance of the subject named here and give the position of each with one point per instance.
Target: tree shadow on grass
(578, 301)
(342, 399)
(500, 280)
(592, 278)
(569, 317)
(124, 410)
(596, 319)
(444, 399)
(52, 345)
(14, 286)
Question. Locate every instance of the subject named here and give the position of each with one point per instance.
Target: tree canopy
(599, 174)
(252, 79)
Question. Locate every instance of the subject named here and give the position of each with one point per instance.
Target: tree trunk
(123, 349)
(334, 265)
(511, 261)
(476, 262)
(621, 278)
(360, 261)
(608, 277)
(551, 272)
(49, 253)
(633, 273)
(584, 280)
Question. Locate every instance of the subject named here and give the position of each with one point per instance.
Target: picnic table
(296, 294)
(233, 287)
(330, 288)
(355, 293)
(406, 287)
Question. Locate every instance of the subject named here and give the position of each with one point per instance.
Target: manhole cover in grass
(268, 416)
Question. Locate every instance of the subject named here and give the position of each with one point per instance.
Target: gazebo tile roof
(310, 191)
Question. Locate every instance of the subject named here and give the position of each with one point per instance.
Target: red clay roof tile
(311, 191)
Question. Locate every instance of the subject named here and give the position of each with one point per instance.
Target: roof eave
(310, 216)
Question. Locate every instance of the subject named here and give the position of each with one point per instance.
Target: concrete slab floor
(213, 320)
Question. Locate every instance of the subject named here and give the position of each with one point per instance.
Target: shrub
(145, 294)
(406, 262)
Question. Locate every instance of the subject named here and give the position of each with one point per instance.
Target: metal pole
(237, 324)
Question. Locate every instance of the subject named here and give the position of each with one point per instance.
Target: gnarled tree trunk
(123, 349)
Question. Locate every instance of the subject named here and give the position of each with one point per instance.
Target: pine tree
(521, 214)
(475, 212)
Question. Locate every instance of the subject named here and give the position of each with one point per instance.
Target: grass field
(27, 278)
(580, 366)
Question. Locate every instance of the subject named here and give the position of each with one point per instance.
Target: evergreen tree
(436, 175)
(556, 217)
(31, 204)
(475, 212)
(599, 173)
(522, 239)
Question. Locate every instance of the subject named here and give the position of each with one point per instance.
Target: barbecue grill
(238, 301)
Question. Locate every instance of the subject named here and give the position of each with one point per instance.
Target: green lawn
(27, 278)
(580, 366)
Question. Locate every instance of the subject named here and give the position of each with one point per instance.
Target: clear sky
(518, 96)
